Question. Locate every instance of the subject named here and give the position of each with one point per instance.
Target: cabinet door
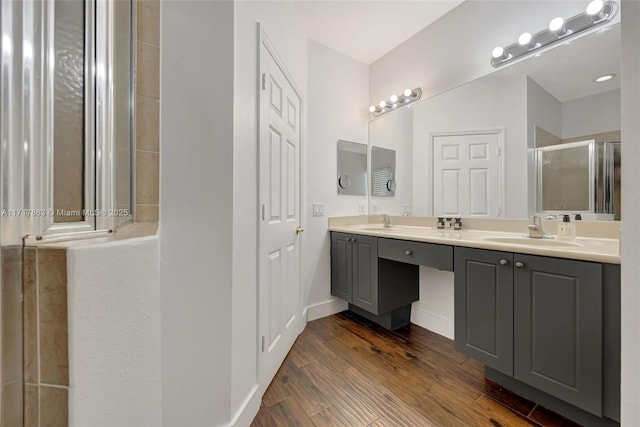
(484, 306)
(341, 274)
(558, 328)
(365, 273)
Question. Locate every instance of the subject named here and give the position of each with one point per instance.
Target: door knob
(519, 264)
(299, 230)
(504, 262)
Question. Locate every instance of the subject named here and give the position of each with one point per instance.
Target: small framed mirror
(383, 172)
(352, 168)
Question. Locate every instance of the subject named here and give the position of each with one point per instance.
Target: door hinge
(263, 211)
(264, 81)
(263, 343)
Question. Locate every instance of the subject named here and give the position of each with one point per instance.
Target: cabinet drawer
(419, 253)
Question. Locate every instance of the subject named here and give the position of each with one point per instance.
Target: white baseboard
(248, 410)
(324, 309)
(432, 322)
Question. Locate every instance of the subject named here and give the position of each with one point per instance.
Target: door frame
(500, 132)
(264, 42)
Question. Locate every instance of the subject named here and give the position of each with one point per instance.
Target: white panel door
(466, 175)
(279, 252)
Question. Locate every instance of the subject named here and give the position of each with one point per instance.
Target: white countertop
(582, 248)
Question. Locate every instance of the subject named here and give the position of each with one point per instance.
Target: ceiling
(567, 72)
(365, 30)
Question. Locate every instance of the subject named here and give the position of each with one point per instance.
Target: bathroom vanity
(543, 316)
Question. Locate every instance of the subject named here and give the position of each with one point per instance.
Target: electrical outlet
(406, 210)
(361, 209)
(318, 209)
(374, 209)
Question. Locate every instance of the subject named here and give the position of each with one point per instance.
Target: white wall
(338, 87)
(593, 114)
(196, 210)
(630, 73)
(279, 21)
(114, 334)
(457, 48)
(394, 131)
(475, 106)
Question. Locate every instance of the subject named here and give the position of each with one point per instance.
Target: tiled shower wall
(11, 324)
(46, 349)
(147, 111)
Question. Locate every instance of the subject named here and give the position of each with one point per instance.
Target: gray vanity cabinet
(558, 324)
(533, 318)
(484, 306)
(354, 270)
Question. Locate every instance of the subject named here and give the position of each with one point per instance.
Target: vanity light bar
(409, 96)
(597, 13)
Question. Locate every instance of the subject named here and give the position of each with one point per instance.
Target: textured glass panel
(69, 112)
(122, 105)
(617, 184)
(565, 179)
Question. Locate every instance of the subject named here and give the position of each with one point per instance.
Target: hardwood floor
(346, 371)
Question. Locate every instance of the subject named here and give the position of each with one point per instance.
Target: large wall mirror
(518, 141)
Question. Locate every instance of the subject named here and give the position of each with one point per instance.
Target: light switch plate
(374, 209)
(361, 209)
(318, 209)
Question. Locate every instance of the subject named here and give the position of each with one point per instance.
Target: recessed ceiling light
(604, 78)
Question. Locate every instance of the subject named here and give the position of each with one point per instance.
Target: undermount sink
(531, 241)
(378, 228)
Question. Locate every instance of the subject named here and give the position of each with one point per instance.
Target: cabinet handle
(504, 262)
(354, 240)
(408, 252)
(519, 264)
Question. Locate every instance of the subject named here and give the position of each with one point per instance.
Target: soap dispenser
(566, 228)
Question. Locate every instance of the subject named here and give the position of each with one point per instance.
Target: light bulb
(556, 25)
(408, 92)
(372, 108)
(394, 106)
(498, 52)
(394, 98)
(382, 104)
(595, 7)
(525, 39)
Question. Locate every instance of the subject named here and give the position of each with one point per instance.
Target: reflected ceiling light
(604, 78)
(396, 102)
(596, 13)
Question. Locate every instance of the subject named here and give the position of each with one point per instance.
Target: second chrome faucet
(535, 229)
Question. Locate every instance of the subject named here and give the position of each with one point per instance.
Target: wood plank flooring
(346, 371)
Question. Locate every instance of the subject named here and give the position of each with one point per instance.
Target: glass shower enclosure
(579, 177)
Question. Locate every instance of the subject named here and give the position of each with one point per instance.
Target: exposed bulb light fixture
(498, 52)
(604, 78)
(557, 25)
(525, 39)
(395, 102)
(595, 8)
(596, 13)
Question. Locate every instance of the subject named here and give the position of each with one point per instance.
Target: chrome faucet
(535, 229)
(386, 221)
